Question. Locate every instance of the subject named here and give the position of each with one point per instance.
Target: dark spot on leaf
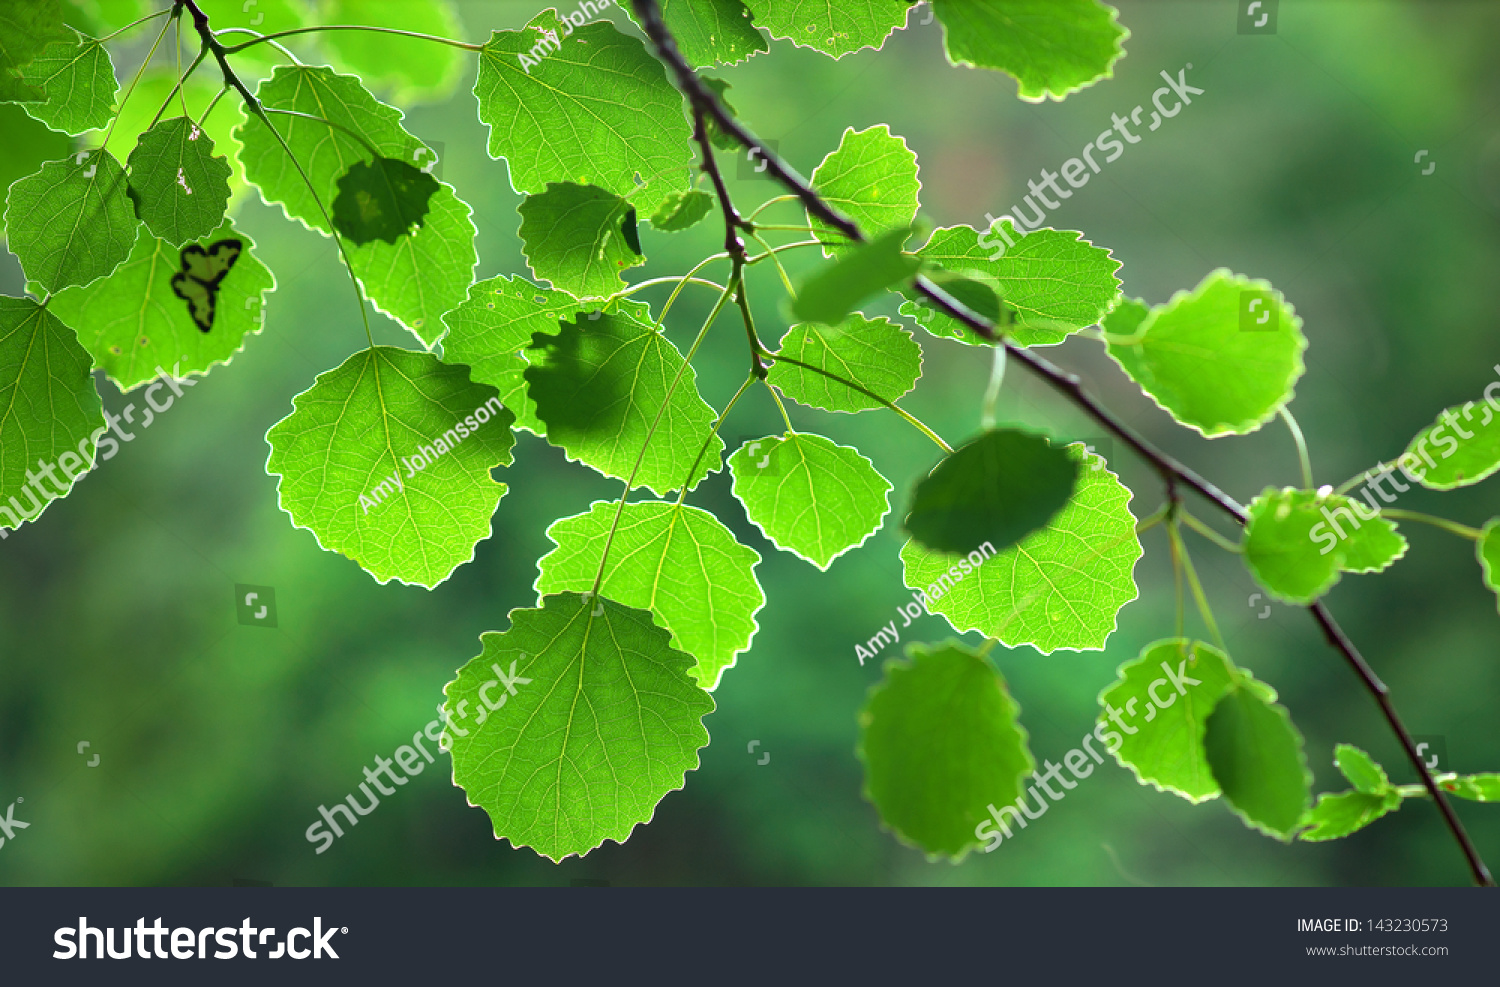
(382, 200)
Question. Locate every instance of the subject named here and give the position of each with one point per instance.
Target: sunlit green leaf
(1157, 709)
(1338, 815)
(584, 105)
(1051, 47)
(1060, 588)
(1055, 281)
(996, 489)
(1361, 770)
(941, 741)
(573, 236)
(833, 28)
(876, 354)
(386, 459)
(180, 189)
(49, 410)
(1458, 449)
(1476, 788)
(710, 32)
(872, 179)
(72, 221)
(420, 277)
(681, 211)
(676, 561)
(1293, 544)
(599, 385)
(77, 79)
(1488, 551)
(1210, 361)
(809, 495)
(580, 719)
(134, 324)
(491, 330)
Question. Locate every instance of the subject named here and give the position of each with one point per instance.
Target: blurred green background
(217, 742)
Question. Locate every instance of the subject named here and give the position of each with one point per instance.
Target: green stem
(751, 261)
(1358, 478)
(672, 299)
(1302, 457)
(350, 27)
(742, 300)
(768, 203)
(788, 229)
(211, 104)
(133, 83)
(646, 444)
(1453, 527)
(785, 281)
(182, 78)
(1204, 610)
(1145, 524)
(790, 429)
(992, 392)
(1211, 534)
(136, 23)
(910, 418)
(1414, 791)
(703, 451)
(364, 142)
(672, 280)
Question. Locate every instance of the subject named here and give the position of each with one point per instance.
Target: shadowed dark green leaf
(941, 741)
(832, 291)
(1256, 756)
(580, 719)
(382, 200)
(599, 384)
(997, 488)
(26, 26)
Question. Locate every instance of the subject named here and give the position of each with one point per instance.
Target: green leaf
(26, 145)
(71, 222)
(589, 106)
(717, 136)
(180, 189)
(1339, 815)
(1256, 756)
(682, 210)
(77, 80)
(1488, 551)
(572, 236)
(491, 330)
(872, 179)
(134, 324)
(1476, 788)
(347, 458)
(49, 411)
(941, 741)
(1164, 698)
(832, 291)
(835, 29)
(600, 384)
(1361, 770)
(1126, 317)
(417, 71)
(1056, 281)
(382, 200)
(26, 26)
(422, 276)
(809, 495)
(1060, 588)
(1206, 359)
(678, 562)
(1292, 544)
(1051, 47)
(581, 719)
(1467, 454)
(997, 488)
(325, 152)
(876, 354)
(710, 32)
